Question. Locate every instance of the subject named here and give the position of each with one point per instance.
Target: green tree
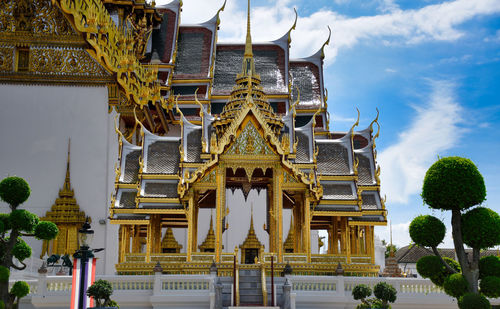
(389, 248)
(455, 184)
(14, 225)
(101, 292)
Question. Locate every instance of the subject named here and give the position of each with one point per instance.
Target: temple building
(186, 151)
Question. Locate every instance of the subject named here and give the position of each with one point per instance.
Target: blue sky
(431, 67)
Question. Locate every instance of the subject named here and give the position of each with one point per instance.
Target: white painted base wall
(35, 124)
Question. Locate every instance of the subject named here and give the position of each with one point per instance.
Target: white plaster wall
(314, 241)
(180, 235)
(203, 224)
(36, 123)
(239, 218)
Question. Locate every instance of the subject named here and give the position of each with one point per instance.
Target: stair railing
(272, 280)
(263, 281)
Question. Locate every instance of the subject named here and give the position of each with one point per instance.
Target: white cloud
(434, 130)
(432, 22)
(494, 38)
(337, 118)
(401, 235)
(389, 70)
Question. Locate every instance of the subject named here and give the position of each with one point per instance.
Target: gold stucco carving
(6, 59)
(63, 61)
(39, 17)
(114, 48)
(250, 142)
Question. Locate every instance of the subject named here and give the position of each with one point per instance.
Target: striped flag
(79, 283)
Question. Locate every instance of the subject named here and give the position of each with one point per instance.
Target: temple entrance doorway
(250, 255)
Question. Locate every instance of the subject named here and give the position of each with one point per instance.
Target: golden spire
(290, 239)
(251, 210)
(251, 240)
(66, 214)
(67, 183)
(169, 241)
(209, 242)
(65, 208)
(248, 43)
(248, 66)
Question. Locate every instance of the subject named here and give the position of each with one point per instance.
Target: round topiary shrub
(5, 219)
(427, 231)
(489, 266)
(481, 228)
(428, 266)
(438, 278)
(455, 285)
(473, 301)
(361, 291)
(46, 230)
(21, 250)
(490, 286)
(453, 183)
(20, 289)
(14, 190)
(4, 274)
(23, 220)
(453, 264)
(385, 292)
(101, 290)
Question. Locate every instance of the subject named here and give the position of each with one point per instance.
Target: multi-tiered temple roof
(196, 118)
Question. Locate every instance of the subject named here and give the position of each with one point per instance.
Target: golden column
(149, 241)
(190, 217)
(335, 236)
(307, 226)
(347, 241)
(219, 210)
(272, 219)
(278, 211)
(155, 233)
(298, 227)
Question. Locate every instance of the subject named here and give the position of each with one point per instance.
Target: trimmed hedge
(481, 228)
(473, 301)
(427, 231)
(14, 190)
(455, 285)
(453, 183)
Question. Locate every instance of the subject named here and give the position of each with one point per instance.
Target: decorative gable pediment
(250, 142)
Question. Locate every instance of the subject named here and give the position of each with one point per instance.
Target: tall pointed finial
(251, 207)
(248, 43)
(248, 66)
(67, 184)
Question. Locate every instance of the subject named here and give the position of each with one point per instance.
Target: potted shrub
(384, 294)
(101, 292)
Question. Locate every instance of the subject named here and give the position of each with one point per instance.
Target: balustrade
(304, 288)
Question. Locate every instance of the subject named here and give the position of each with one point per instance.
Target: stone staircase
(250, 287)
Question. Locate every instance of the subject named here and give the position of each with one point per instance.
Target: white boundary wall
(197, 291)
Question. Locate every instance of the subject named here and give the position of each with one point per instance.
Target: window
(23, 60)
